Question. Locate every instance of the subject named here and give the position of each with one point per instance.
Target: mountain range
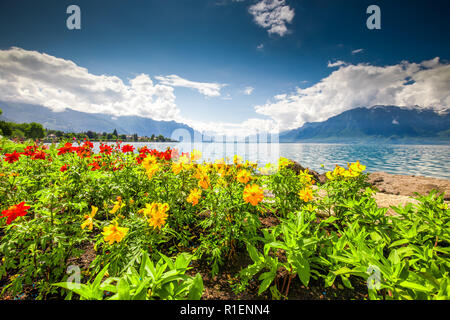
(391, 124)
(379, 124)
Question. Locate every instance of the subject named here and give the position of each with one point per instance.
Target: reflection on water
(424, 160)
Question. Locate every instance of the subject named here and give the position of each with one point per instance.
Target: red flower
(83, 151)
(95, 166)
(127, 148)
(88, 144)
(14, 212)
(39, 155)
(12, 157)
(64, 168)
(29, 150)
(66, 149)
(105, 149)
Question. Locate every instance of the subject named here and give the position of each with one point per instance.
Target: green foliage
(164, 280)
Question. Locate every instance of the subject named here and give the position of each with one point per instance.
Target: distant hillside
(377, 124)
(75, 121)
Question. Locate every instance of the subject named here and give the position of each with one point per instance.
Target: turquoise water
(423, 160)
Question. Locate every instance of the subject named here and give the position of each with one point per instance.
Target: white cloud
(248, 90)
(425, 84)
(38, 78)
(272, 15)
(357, 51)
(248, 127)
(206, 88)
(260, 46)
(395, 121)
(335, 64)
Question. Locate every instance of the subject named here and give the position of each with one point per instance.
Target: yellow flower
(219, 164)
(114, 233)
(330, 175)
(306, 194)
(283, 162)
(338, 171)
(117, 205)
(253, 194)
(156, 212)
(305, 177)
(237, 159)
(149, 161)
(358, 167)
(350, 173)
(177, 167)
(195, 155)
(243, 176)
(89, 222)
(202, 176)
(194, 196)
(151, 170)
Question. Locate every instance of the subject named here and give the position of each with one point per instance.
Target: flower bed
(164, 225)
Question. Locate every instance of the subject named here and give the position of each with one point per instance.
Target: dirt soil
(406, 185)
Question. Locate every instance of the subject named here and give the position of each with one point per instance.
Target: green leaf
(398, 243)
(414, 286)
(266, 282)
(303, 269)
(196, 289)
(123, 289)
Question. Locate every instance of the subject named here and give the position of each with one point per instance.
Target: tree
(115, 133)
(34, 131)
(91, 134)
(5, 128)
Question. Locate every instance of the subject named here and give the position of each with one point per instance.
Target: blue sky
(221, 42)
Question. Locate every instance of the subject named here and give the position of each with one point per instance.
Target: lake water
(424, 160)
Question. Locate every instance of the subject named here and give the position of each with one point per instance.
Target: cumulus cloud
(39, 78)
(272, 15)
(425, 84)
(206, 88)
(335, 64)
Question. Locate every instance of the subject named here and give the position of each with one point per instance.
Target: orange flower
(253, 194)
(306, 194)
(194, 196)
(114, 233)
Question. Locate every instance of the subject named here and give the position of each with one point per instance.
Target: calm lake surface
(424, 160)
